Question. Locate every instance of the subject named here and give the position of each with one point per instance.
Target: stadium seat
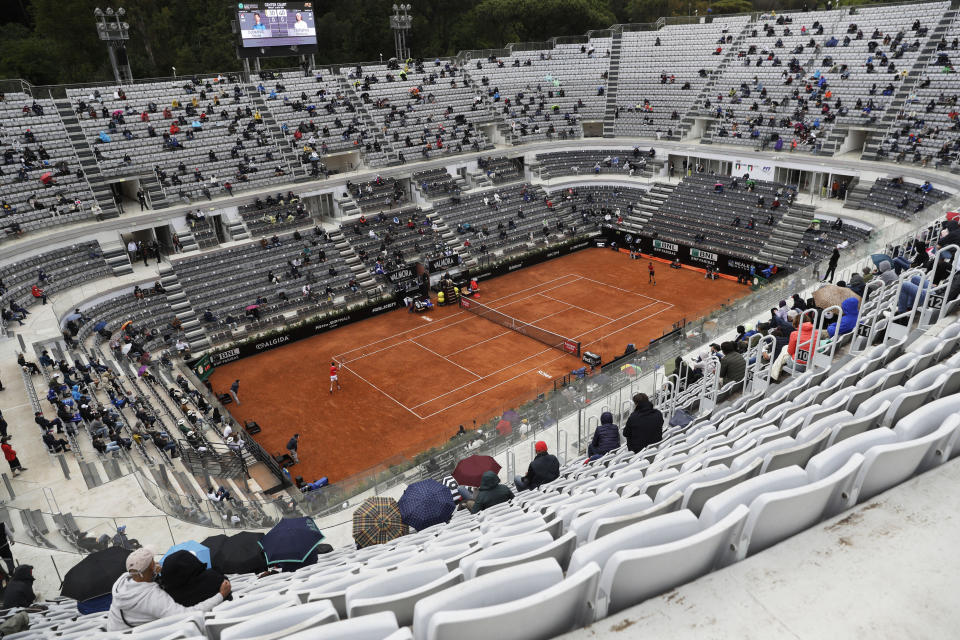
(746, 491)
(399, 591)
(697, 494)
(528, 601)
(634, 575)
(283, 623)
(376, 626)
(583, 524)
(886, 465)
(658, 530)
(777, 515)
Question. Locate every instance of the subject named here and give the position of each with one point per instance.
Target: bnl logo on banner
(665, 247)
(703, 256)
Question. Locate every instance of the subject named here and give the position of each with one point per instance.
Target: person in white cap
(138, 599)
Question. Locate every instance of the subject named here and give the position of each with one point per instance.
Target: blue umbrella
(425, 504)
(877, 258)
(292, 543)
(99, 326)
(201, 552)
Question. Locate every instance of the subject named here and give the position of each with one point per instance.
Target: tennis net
(555, 340)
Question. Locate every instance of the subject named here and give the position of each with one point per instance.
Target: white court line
(413, 341)
(339, 357)
(629, 313)
(613, 286)
(479, 393)
(573, 306)
(346, 368)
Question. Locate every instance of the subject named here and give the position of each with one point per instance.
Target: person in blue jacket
(606, 438)
(851, 310)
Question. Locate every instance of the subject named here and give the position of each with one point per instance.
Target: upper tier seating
(546, 93)
(195, 135)
(425, 110)
(34, 143)
(659, 83)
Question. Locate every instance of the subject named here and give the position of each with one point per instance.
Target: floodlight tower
(115, 32)
(400, 22)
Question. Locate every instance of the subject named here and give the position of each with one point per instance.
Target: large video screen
(276, 24)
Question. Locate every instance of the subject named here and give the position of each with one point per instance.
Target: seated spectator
(543, 468)
(19, 591)
(187, 579)
(645, 424)
(55, 444)
(733, 367)
(138, 599)
(490, 492)
(850, 308)
(606, 437)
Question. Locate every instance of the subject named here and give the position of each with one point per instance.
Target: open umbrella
(251, 307)
(126, 324)
(469, 470)
(377, 520)
(100, 326)
(831, 295)
(239, 553)
(877, 258)
(46, 177)
(201, 552)
(292, 543)
(93, 577)
(426, 503)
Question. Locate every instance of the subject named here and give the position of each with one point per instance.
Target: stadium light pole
(115, 32)
(400, 22)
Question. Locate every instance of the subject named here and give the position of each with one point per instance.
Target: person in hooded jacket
(138, 598)
(490, 492)
(606, 437)
(19, 592)
(187, 579)
(798, 302)
(886, 273)
(856, 284)
(645, 424)
(850, 308)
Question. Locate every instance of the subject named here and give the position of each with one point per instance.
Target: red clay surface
(410, 379)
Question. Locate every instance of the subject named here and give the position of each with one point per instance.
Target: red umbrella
(46, 177)
(252, 307)
(469, 470)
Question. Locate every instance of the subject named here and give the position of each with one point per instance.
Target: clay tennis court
(410, 379)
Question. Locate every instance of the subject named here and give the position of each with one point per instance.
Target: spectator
(138, 599)
(850, 308)
(886, 273)
(292, 445)
(188, 580)
(6, 541)
(645, 424)
(732, 366)
(11, 456)
(37, 292)
(55, 444)
(543, 468)
(19, 592)
(832, 265)
(606, 437)
(490, 492)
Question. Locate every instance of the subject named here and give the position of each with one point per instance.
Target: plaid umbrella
(426, 503)
(377, 520)
(469, 470)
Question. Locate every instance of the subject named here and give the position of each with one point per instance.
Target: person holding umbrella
(138, 599)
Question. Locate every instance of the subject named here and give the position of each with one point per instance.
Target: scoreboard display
(276, 24)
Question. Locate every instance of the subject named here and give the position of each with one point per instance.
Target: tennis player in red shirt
(334, 378)
(653, 275)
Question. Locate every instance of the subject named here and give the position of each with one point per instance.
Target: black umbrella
(239, 553)
(94, 575)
